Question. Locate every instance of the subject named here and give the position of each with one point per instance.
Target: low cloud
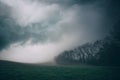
(49, 27)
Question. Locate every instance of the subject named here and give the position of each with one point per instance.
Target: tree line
(102, 52)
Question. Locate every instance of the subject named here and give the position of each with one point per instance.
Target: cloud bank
(35, 31)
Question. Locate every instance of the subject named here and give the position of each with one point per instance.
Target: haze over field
(36, 31)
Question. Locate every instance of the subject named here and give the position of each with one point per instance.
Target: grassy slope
(15, 71)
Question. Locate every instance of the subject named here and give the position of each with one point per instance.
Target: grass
(16, 71)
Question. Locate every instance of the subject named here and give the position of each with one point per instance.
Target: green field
(16, 71)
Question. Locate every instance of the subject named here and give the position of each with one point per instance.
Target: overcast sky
(35, 31)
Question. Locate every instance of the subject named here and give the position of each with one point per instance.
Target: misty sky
(35, 31)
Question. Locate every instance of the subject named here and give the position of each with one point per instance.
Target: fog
(50, 27)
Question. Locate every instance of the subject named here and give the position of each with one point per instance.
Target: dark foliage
(104, 52)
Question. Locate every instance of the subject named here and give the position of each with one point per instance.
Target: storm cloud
(38, 30)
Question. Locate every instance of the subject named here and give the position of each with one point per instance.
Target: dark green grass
(15, 71)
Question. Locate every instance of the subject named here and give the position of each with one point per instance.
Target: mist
(48, 27)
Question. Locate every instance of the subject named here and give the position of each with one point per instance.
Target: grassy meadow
(18, 71)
